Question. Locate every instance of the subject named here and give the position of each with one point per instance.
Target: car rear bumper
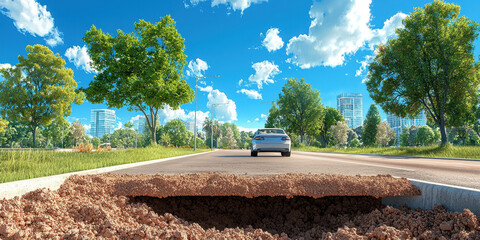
(271, 147)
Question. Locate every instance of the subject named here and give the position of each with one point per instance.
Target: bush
(83, 148)
(354, 143)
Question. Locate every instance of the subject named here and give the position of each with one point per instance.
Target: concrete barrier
(18, 188)
(453, 198)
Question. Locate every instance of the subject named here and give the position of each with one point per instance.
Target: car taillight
(259, 138)
(285, 138)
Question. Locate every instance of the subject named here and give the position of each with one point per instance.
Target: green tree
(332, 116)
(339, 133)
(211, 125)
(425, 136)
(229, 140)
(3, 125)
(274, 119)
(300, 107)
(165, 139)
(430, 66)
(354, 143)
(384, 134)
(78, 132)
(53, 132)
(140, 70)
(123, 138)
(369, 130)
(179, 135)
(39, 89)
(95, 142)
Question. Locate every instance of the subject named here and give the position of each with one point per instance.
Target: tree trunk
(34, 129)
(443, 133)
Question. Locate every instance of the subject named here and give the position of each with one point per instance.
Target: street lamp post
(195, 123)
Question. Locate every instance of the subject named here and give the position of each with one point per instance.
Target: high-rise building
(139, 122)
(102, 121)
(350, 105)
(398, 123)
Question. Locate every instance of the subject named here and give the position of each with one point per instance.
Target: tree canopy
(430, 66)
(142, 70)
(300, 108)
(39, 89)
(369, 130)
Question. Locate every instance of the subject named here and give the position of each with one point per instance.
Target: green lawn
(432, 151)
(18, 165)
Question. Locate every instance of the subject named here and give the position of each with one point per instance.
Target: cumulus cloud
(30, 17)
(119, 126)
(205, 89)
(264, 73)
(79, 56)
(272, 41)
(363, 65)
(381, 36)
(263, 116)
(233, 4)
(224, 109)
(197, 67)
(5, 65)
(338, 28)
(244, 129)
(167, 114)
(252, 94)
(257, 119)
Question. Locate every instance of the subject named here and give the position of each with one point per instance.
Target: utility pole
(195, 123)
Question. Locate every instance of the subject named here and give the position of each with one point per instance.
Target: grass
(18, 165)
(431, 151)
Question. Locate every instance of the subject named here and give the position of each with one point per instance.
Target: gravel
(222, 206)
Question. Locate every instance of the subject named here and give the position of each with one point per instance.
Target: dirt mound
(287, 185)
(90, 207)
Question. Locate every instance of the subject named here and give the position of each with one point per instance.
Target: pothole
(276, 215)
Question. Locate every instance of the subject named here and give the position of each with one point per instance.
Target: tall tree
(179, 135)
(229, 140)
(384, 134)
(141, 70)
(78, 132)
(274, 119)
(430, 66)
(339, 133)
(332, 116)
(425, 136)
(300, 107)
(39, 89)
(369, 130)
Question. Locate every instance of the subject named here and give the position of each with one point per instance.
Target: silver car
(271, 140)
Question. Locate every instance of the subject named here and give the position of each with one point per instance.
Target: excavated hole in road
(276, 215)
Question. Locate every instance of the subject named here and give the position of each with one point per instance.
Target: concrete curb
(453, 198)
(18, 188)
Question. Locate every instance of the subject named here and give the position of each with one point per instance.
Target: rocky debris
(91, 207)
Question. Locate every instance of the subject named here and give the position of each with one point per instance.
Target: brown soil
(91, 207)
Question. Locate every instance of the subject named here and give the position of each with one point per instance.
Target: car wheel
(283, 154)
(253, 153)
(287, 154)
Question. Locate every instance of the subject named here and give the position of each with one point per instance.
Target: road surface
(465, 173)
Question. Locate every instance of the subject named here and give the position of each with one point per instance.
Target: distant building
(190, 125)
(139, 122)
(102, 122)
(398, 123)
(350, 105)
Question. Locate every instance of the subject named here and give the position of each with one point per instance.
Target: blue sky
(253, 45)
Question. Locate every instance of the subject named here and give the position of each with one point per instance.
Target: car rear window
(271, 131)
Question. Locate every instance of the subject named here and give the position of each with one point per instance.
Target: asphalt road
(465, 173)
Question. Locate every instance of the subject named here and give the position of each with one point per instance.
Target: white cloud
(263, 116)
(240, 82)
(264, 73)
(248, 121)
(167, 114)
(272, 41)
(363, 65)
(87, 129)
(5, 65)
(226, 110)
(205, 89)
(380, 36)
(79, 56)
(30, 17)
(197, 67)
(252, 94)
(243, 129)
(257, 119)
(119, 126)
(338, 28)
(233, 4)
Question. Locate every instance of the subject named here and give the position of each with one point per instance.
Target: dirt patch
(91, 207)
